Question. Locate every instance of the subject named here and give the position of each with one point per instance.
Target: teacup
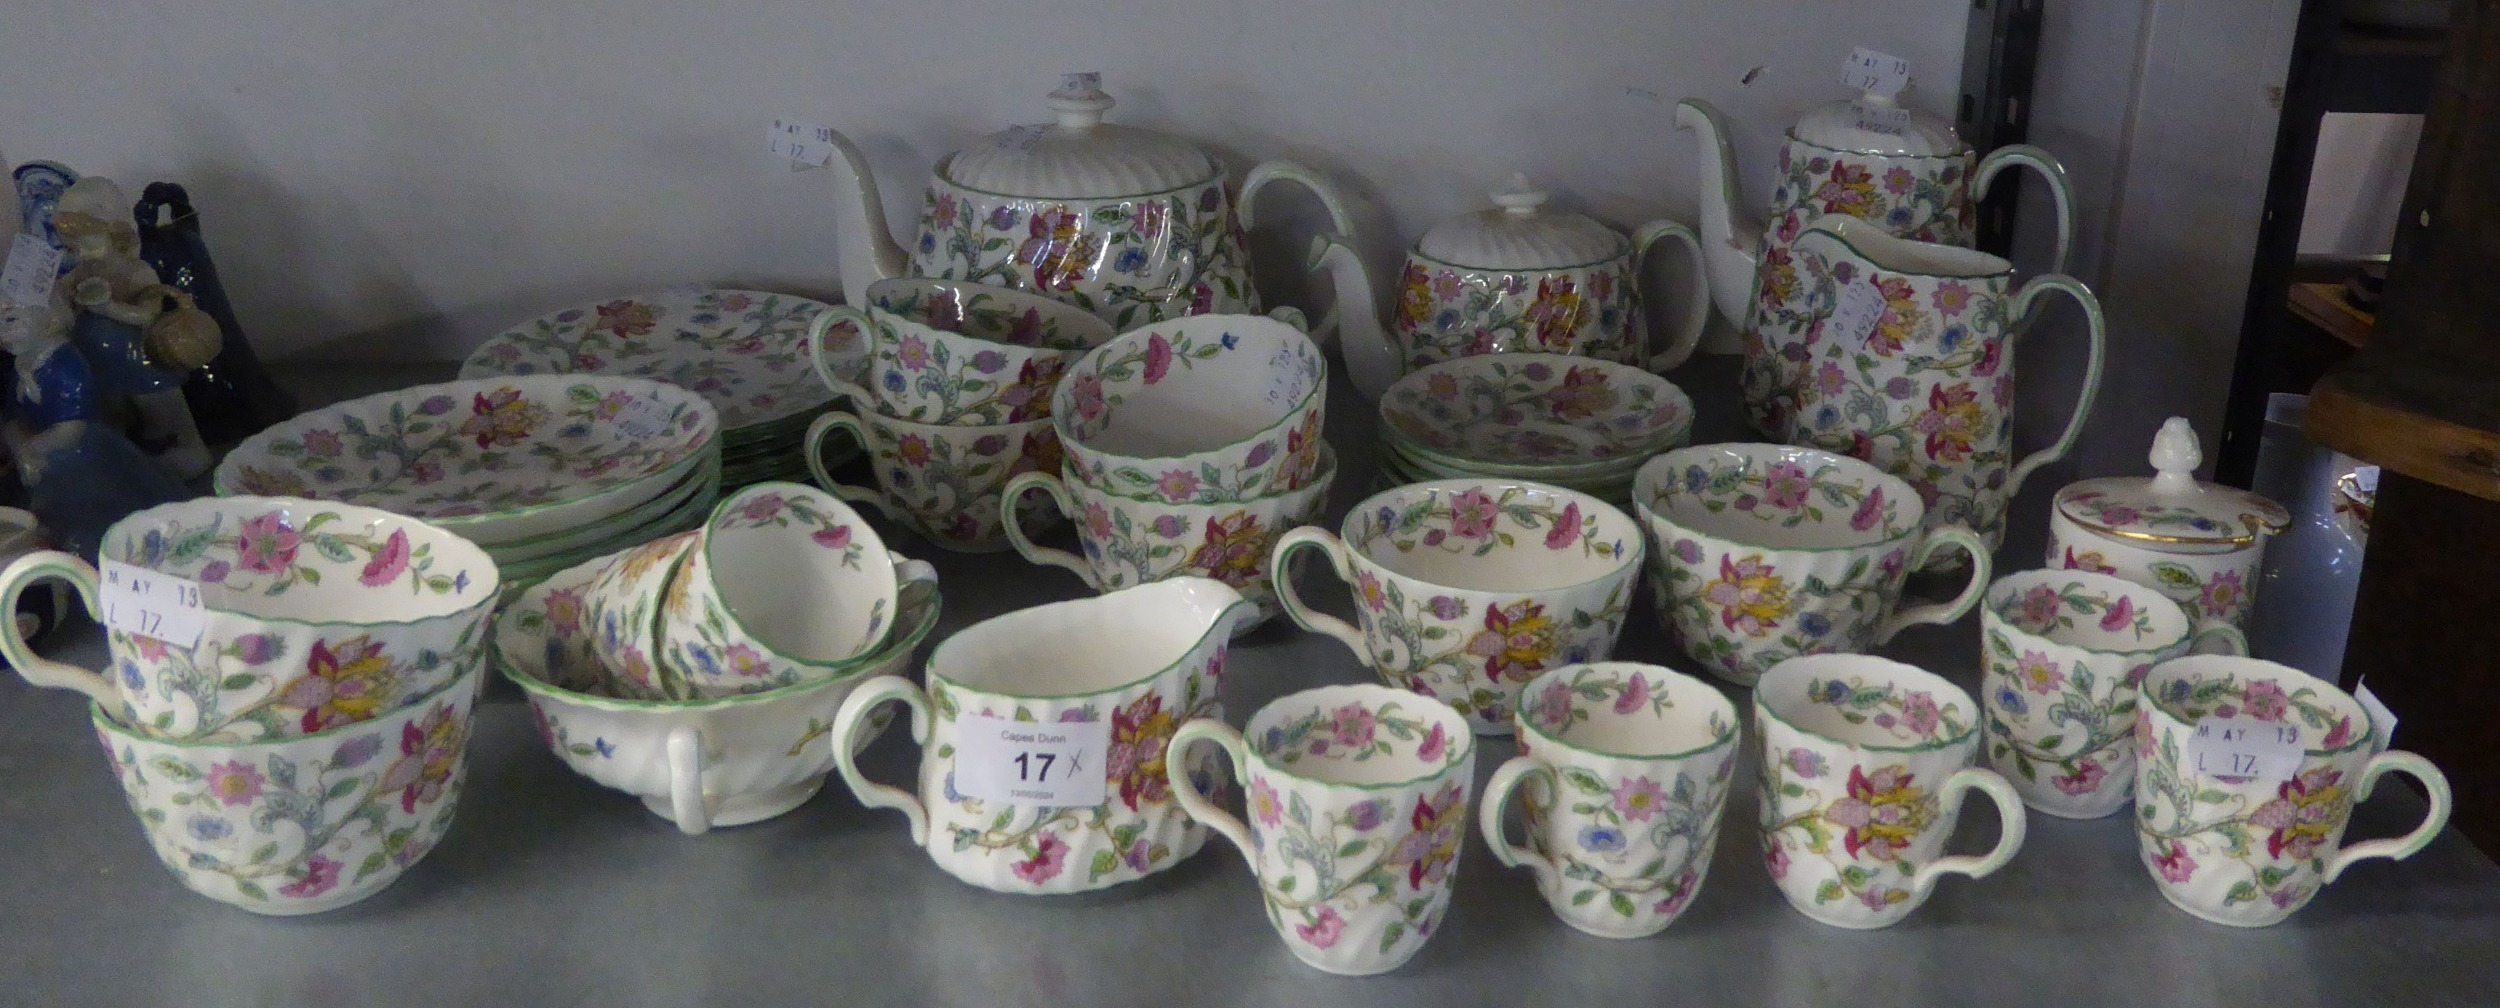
(1466, 589)
(696, 763)
(784, 584)
(1209, 409)
(306, 823)
(621, 603)
(1131, 542)
(309, 615)
(1865, 763)
(1633, 761)
(1357, 809)
(1763, 552)
(2064, 652)
(945, 483)
(955, 353)
(2249, 851)
(1072, 696)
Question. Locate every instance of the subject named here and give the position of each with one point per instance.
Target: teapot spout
(1369, 359)
(1729, 247)
(868, 250)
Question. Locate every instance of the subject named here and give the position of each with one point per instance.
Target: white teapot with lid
(2197, 543)
(1515, 278)
(1131, 224)
(1868, 157)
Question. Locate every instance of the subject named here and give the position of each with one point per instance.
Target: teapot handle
(1696, 300)
(2020, 313)
(2061, 193)
(1281, 170)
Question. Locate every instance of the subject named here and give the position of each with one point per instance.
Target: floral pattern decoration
(1285, 456)
(1371, 856)
(1130, 261)
(2060, 718)
(744, 351)
(2271, 838)
(1445, 312)
(1527, 412)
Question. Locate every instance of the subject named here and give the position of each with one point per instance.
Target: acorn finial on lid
(2175, 457)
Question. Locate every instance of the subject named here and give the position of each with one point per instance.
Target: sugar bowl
(2197, 543)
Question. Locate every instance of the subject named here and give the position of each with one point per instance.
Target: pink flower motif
(1919, 714)
(320, 876)
(564, 612)
(150, 649)
(912, 353)
(745, 661)
(1158, 357)
(1786, 486)
(1775, 857)
(2038, 674)
(2120, 515)
(1897, 181)
(1087, 391)
(322, 444)
(762, 507)
(1265, 806)
(2039, 608)
(1436, 743)
(1678, 895)
(1442, 385)
(1830, 379)
(2222, 594)
(2265, 700)
(1322, 931)
(1566, 528)
(2120, 616)
(1050, 854)
(1472, 514)
(1870, 512)
(235, 782)
(388, 563)
(1635, 694)
(2087, 778)
(2338, 736)
(1638, 799)
(1353, 726)
(2176, 867)
(1950, 298)
(837, 537)
(426, 473)
(268, 544)
(1177, 485)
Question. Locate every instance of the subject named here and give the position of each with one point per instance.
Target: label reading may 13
(1056, 763)
(145, 602)
(2244, 747)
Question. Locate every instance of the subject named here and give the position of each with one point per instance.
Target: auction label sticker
(1054, 763)
(153, 604)
(2241, 748)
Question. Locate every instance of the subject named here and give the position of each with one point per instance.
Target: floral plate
(495, 460)
(746, 351)
(1534, 411)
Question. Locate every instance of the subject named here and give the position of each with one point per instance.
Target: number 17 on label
(1053, 763)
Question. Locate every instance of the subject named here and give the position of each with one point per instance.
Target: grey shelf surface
(551, 890)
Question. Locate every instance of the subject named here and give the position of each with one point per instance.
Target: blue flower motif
(2176, 691)
(1131, 260)
(1827, 417)
(1899, 217)
(1388, 517)
(209, 828)
(1834, 692)
(1230, 341)
(1447, 320)
(130, 676)
(1951, 338)
(1273, 741)
(1815, 624)
(1602, 839)
(151, 548)
(928, 243)
(1696, 479)
(460, 582)
(894, 381)
(605, 747)
(1003, 219)
(703, 318)
(2011, 700)
(1610, 318)
(576, 430)
(952, 794)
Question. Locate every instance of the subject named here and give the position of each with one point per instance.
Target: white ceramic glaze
(2198, 543)
(744, 351)
(2250, 851)
(1629, 765)
(945, 483)
(1759, 553)
(1466, 589)
(961, 354)
(1865, 764)
(699, 763)
(1209, 409)
(1145, 658)
(314, 615)
(1357, 811)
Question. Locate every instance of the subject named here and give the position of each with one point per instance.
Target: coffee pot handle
(1943, 612)
(24, 573)
(2011, 828)
(1281, 571)
(2434, 784)
(685, 780)
(1696, 301)
(2061, 192)
(1185, 789)
(847, 724)
(1497, 793)
(1017, 487)
(2020, 312)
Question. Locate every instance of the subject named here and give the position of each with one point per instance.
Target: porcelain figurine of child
(134, 345)
(81, 473)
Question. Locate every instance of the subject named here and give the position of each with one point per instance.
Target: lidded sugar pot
(1514, 278)
(1131, 224)
(2197, 543)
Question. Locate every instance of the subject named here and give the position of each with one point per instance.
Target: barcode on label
(1047, 763)
(2244, 748)
(32, 265)
(152, 604)
(1877, 73)
(802, 142)
(1860, 309)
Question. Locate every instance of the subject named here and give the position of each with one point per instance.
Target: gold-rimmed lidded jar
(2197, 543)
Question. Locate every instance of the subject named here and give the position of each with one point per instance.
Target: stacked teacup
(953, 398)
(290, 689)
(1191, 445)
(696, 671)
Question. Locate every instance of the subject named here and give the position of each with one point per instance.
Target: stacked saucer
(543, 472)
(743, 351)
(1567, 421)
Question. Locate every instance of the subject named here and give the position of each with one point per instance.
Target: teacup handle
(685, 780)
(1943, 612)
(24, 573)
(2434, 784)
(1696, 301)
(814, 447)
(2021, 310)
(847, 722)
(1185, 790)
(1280, 563)
(1497, 792)
(823, 324)
(2061, 193)
(1017, 487)
(2234, 642)
(2009, 836)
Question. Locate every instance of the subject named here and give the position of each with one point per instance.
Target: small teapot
(1895, 167)
(1516, 278)
(1133, 225)
(2197, 543)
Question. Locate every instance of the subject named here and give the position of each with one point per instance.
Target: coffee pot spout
(1729, 246)
(868, 250)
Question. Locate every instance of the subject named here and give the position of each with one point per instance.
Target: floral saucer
(1528, 412)
(496, 460)
(746, 351)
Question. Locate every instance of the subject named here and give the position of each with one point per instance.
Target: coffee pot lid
(1079, 156)
(2172, 508)
(1873, 124)
(1519, 234)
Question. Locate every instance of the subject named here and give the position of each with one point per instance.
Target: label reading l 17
(1054, 763)
(802, 142)
(2244, 748)
(152, 604)
(1877, 73)
(32, 265)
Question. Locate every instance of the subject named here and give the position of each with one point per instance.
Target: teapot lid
(1079, 156)
(1873, 124)
(2172, 508)
(1518, 234)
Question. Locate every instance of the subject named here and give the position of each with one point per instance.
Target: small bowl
(1207, 409)
(1531, 412)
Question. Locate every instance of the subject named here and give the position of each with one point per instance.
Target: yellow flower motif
(1750, 595)
(1516, 642)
